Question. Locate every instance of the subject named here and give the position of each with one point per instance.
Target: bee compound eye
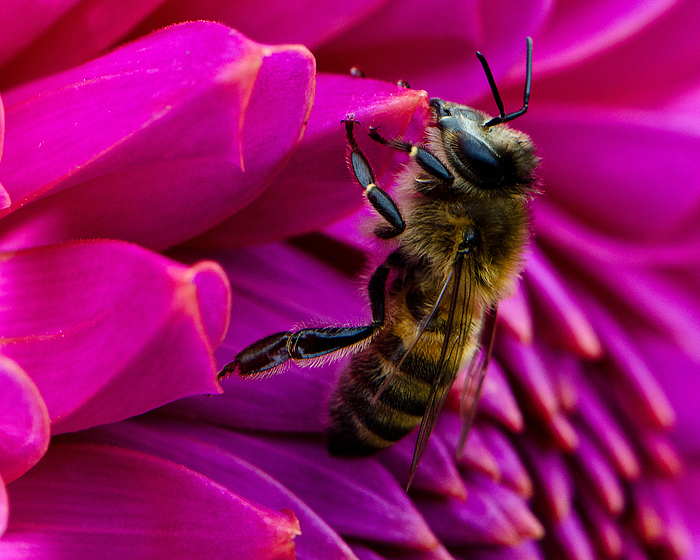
(477, 155)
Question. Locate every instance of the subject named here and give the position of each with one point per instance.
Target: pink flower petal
(608, 433)
(640, 390)
(659, 453)
(317, 541)
(24, 422)
(437, 475)
(316, 188)
(358, 498)
(599, 25)
(603, 528)
(527, 550)
(631, 163)
(267, 22)
(617, 272)
(527, 370)
(490, 515)
(678, 375)
(4, 196)
(180, 112)
(104, 502)
(4, 508)
(552, 478)
(479, 520)
(514, 475)
(497, 399)
(599, 476)
(571, 539)
(515, 507)
(475, 456)
(559, 316)
(86, 320)
(614, 59)
(516, 316)
(675, 538)
(41, 38)
(396, 44)
(25, 20)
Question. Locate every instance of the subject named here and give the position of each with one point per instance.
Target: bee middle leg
(305, 344)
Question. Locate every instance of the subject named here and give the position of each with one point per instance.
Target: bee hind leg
(309, 343)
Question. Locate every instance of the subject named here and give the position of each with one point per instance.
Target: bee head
(483, 150)
(493, 157)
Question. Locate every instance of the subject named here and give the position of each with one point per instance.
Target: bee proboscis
(460, 225)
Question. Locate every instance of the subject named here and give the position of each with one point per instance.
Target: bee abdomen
(375, 404)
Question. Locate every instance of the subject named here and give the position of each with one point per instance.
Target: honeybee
(458, 231)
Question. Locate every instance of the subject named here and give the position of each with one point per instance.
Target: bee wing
(471, 390)
(450, 354)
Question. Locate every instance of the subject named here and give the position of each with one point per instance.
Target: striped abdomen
(376, 403)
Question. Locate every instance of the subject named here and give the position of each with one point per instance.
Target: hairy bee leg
(427, 161)
(379, 199)
(305, 344)
(265, 354)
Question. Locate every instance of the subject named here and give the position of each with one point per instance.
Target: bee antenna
(502, 118)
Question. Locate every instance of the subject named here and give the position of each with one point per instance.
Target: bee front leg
(427, 161)
(306, 344)
(377, 197)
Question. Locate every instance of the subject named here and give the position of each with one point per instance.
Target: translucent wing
(460, 316)
(471, 390)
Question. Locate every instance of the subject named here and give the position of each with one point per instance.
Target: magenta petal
(629, 275)
(599, 475)
(639, 40)
(571, 538)
(515, 313)
(316, 188)
(104, 502)
(4, 508)
(599, 25)
(394, 43)
(437, 474)
(152, 137)
(640, 390)
(527, 550)
(607, 431)
(24, 422)
(490, 515)
(477, 521)
(551, 476)
(314, 21)
(86, 320)
(603, 527)
(317, 541)
(528, 371)
(498, 401)
(513, 473)
(475, 456)
(560, 316)
(639, 164)
(358, 498)
(47, 37)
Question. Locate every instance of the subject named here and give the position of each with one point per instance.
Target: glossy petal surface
(104, 502)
